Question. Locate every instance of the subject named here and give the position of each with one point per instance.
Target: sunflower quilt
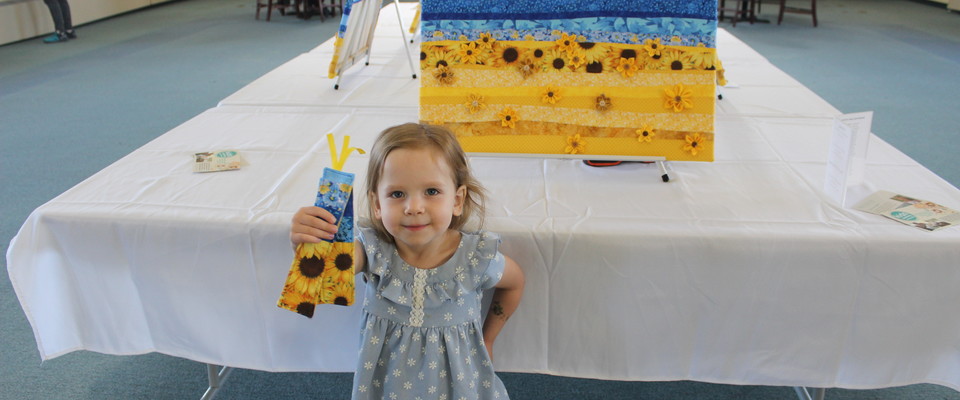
(606, 77)
(323, 273)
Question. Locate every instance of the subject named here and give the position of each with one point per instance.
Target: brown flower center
(343, 261)
(306, 309)
(311, 267)
(510, 55)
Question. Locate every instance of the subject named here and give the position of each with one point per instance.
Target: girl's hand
(311, 225)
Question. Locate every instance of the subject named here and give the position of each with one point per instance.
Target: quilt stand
(354, 40)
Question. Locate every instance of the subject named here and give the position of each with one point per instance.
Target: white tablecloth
(736, 271)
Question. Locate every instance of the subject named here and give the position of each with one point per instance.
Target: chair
(812, 11)
(283, 5)
(319, 7)
(743, 10)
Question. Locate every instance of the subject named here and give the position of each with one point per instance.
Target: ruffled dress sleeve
(486, 261)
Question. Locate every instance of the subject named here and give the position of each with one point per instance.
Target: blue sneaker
(54, 38)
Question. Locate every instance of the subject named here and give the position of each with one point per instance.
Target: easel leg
(404, 36)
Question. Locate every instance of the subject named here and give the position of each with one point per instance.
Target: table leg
(804, 394)
(216, 378)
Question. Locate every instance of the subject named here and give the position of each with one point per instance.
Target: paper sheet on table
(918, 213)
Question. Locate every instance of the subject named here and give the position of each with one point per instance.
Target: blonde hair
(419, 136)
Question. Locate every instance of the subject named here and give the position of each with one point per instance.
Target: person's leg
(57, 15)
(67, 20)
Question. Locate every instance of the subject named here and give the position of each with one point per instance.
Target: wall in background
(24, 19)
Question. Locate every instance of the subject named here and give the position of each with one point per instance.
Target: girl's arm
(312, 224)
(506, 298)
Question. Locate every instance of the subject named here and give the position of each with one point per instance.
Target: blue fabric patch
(599, 30)
(347, 6)
(563, 9)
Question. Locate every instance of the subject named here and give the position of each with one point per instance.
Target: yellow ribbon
(337, 161)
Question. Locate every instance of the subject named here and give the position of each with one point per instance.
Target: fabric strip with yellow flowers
(639, 85)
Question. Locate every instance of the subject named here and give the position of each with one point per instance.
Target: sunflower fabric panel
(323, 273)
(612, 77)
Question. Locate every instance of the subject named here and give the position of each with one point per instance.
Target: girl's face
(417, 198)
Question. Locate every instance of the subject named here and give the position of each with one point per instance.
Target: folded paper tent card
(569, 77)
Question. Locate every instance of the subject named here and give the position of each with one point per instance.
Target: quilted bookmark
(323, 273)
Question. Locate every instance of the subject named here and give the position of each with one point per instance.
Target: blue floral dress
(422, 334)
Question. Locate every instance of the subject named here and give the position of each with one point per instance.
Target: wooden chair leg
(783, 6)
(813, 10)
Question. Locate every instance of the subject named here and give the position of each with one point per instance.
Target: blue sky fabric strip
(564, 9)
(610, 30)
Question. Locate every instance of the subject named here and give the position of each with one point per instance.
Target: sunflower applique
(645, 134)
(508, 118)
(475, 103)
(575, 144)
(678, 98)
(693, 143)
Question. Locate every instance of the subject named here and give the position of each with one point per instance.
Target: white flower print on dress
(403, 350)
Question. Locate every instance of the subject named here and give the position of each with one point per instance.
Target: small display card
(847, 156)
(221, 160)
(917, 213)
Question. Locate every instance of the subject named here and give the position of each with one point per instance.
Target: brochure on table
(918, 213)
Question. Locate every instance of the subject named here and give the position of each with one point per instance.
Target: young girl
(422, 336)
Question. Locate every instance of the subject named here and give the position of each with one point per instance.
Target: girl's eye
(432, 192)
(396, 195)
